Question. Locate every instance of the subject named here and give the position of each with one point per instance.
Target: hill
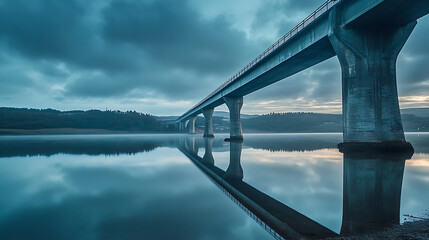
(31, 119)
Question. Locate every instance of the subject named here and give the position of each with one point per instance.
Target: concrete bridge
(366, 36)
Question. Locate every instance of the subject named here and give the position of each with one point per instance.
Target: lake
(189, 187)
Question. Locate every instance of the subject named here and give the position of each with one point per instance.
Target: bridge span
(366, 36)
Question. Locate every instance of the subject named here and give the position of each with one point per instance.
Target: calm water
(187, 187)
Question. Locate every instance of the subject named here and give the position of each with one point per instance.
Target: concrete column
(192, 125)
(234, 105)
(370, 98)
(234, 171)
(186, 124)
(372, 191)
(208, 154)
(208, 129)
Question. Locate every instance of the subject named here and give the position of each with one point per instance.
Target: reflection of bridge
(279, 219)
(371, 194)
(366, 35)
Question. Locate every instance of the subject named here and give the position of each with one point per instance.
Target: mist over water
(153, 186)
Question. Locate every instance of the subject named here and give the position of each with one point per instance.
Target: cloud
(113, 53)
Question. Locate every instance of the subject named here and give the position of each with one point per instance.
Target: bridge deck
(307, 44)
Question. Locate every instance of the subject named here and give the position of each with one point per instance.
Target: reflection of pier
(372, 183)
(278, 219)
(372, 191)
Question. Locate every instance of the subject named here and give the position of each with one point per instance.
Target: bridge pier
(234, 171)
(192, 125)
(186, 124)
(370, 98)
(208, 129)
(234, 105)
(181, 126)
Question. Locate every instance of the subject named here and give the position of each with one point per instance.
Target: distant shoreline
(78, 131)
(65, 131)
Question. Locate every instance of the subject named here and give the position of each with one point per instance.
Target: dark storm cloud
(155, 47)
(169, 50)
(321, 82)
(57, 30)
(284, 15)
(413, 61)
(42, 29)
(175, 34)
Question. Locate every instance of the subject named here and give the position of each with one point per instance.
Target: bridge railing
(313, 16)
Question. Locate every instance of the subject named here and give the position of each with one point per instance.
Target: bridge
(366, 36)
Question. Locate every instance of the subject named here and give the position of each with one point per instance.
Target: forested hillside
(131, 121)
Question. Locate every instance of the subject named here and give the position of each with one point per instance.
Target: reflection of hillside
(275, 143)
(90, 145)
(131, 144)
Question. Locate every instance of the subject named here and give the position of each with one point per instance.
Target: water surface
(155, 186)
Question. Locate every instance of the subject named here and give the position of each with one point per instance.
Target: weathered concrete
(234, 105)
(370, 97)
(192, 125)
(208, 154)
(372, 191)
(208, 127)
(234, 171)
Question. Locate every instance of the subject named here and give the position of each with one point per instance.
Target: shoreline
(83, 131)
(418, 229)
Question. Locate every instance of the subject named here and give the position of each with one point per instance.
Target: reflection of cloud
(115, 197)
(419, 160)
(415, 186)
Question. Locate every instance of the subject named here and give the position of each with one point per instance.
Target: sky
(163, 56)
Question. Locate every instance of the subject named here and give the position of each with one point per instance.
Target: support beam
(234, 105)
(208, 129)
(192, 125)
(370, 98)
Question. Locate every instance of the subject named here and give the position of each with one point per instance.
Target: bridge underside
(367, 36)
